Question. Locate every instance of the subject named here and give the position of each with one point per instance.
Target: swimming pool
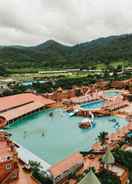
(111, 93)
(53, 138)
(93, 105)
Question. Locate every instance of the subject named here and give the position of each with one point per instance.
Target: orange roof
(66, 164)
(20, 111)
(21, 99)
(12, 102)
(39, 98)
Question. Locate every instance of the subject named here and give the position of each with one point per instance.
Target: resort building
(121, 84)
(9, 170)
(62, 170)
(61, 94)
(17, 106)
(101, 84)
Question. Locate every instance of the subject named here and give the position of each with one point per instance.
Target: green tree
(42, 176)
(102, 138)
(3, 71)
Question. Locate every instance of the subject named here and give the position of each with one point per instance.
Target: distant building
(101, 84)
(128, 69)
(121, 84)
(61, 94)
(62, 170)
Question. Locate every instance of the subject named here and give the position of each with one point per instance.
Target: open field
(50, 75)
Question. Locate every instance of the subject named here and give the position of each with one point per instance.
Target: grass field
(47, 73)
(31, 76)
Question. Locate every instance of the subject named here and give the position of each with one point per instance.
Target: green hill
(52, 54)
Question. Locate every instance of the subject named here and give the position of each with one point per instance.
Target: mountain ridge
(53, 54)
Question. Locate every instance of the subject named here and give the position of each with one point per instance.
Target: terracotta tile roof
(66, 164)
(41, 99)
(21, 99)
(20, 111)
(11, 102)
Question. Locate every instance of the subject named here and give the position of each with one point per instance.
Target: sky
(31, 22)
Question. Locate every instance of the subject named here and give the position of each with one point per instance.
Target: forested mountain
(52, 54)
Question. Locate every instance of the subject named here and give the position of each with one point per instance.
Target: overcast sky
(30, 22)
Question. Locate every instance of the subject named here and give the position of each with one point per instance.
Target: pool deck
(127, 109)
(114, 138)
(26, 156)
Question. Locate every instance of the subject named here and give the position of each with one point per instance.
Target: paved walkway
(24, 178)
(27, 155)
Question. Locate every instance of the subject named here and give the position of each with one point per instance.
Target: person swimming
(51, 114)
(43, 134)
(117, 125)
(113, 120)
(25, 134)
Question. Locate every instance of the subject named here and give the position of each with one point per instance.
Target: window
(8, 166)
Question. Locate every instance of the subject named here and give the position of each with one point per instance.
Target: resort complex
(65, 92)
(79, 135)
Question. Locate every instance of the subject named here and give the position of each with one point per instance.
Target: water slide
(92, 119)
(90, 113)
(88, 122)
(116, 125)
(74, 112)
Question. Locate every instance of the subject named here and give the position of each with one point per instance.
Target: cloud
(30, 22)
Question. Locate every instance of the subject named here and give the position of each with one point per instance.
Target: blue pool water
(111, 93)
(93, 105)
(55, 138)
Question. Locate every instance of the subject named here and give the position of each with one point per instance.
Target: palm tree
(102, 138)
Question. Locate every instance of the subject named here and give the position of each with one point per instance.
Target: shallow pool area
(55, 137)
(111, 93)
(93, 105)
